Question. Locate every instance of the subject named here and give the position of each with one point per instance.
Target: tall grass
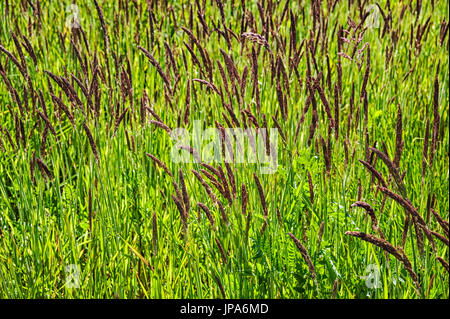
(87, 177)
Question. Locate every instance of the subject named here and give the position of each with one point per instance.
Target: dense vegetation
(90, 193)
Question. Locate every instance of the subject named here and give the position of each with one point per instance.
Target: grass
(115, 218)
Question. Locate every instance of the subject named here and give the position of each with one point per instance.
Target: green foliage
(46, 223)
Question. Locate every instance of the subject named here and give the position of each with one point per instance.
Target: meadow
(93, 204)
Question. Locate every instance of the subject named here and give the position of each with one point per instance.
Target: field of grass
(93, 204)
